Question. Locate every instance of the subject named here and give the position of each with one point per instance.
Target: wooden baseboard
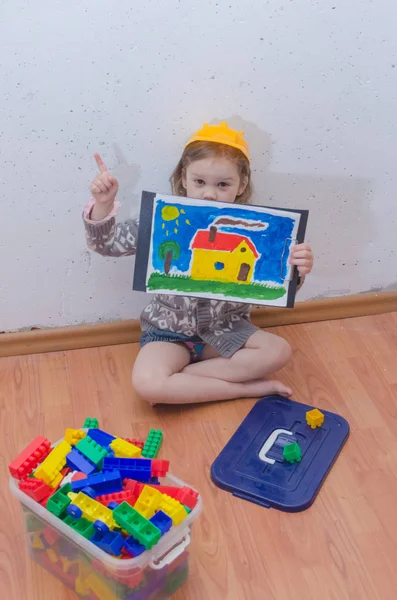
(125, 332)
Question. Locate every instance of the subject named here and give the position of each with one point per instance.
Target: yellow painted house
(220, 256)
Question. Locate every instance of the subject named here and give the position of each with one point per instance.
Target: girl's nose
(209, 195)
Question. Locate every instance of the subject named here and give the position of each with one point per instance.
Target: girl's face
(213, 178)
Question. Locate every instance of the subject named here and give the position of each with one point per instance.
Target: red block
(135, 486)
(127, 495)
(36, 489)
(139, 443)
(79, 475)
(188, 497)
(160, 467)
(28, 460)
(50, 535)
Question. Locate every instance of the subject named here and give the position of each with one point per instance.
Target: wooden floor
(343, 548)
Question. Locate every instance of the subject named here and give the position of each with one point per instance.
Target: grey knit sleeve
(109, 238)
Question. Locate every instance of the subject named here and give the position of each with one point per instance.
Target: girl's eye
(199, 181)
(223, 184)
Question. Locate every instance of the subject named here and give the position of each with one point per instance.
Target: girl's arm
(108, 238)
(102, 233)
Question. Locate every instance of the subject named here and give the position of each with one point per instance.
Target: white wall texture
(312, 83)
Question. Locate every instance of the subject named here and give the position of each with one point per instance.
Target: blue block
(139, 469)
(101, 483)
(162, 521)
(76, 461)
(133, 547)
(101, 437)
(154, 481)
(112, 543)
(100, 526)
(97, 537)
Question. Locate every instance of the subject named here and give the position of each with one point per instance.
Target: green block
(65, 489)
(292, 453)
(58, 503)
(91, 423)
(82, 526)
(152, 444)
(91, 450)
(188, 510)
(140, 528)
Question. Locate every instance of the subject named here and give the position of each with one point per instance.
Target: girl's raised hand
(104, 187)
(302, 257)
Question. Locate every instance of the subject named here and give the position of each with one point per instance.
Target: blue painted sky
(269, 243)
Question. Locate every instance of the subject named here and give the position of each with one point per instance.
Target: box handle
(172, 554)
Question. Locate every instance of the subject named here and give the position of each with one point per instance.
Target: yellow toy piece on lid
(314, 418)
(221, 134)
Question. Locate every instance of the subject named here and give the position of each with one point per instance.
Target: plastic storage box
(94, 574)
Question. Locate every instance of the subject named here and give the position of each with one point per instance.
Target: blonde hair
(201, 150)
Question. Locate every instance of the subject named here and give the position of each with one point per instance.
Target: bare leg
(262, 355)
(157, 377)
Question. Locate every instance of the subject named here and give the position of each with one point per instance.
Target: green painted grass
(181, 283)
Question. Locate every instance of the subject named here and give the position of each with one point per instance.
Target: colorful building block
(314, 418)
(135, 442)
(101, 437)
(161, 521)
(83, 526)
(100, 588)
(160, 467)
(29, 458)
(292, 453)
(129, 496)
(58, 503)
(73, 436)
(91, 423)
(123, 449)
(173, 509)
(148, 501)
(78, 462)
(101, 483)
(153, 443)
(187, 496)
(133, 547)
(49, 470)
(36, 489)
(91, 510)
(140, 528)
(131, 468)
(112, 543)
(92, 451)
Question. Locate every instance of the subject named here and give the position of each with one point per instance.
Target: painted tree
(168, 251)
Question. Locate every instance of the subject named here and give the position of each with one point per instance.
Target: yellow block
(123, 449)
(73, 436)
(49, 470)
(93, 510)
(148, 502)
(52, 555)
(72, 495)
(173, 509)
(100, 589)
(37, 544)
(314, 418)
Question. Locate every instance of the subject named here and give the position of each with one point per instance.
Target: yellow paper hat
(221, 134)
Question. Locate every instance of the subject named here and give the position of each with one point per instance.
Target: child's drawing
(216, 250)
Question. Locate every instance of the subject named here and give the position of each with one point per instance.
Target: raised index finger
(101, 165)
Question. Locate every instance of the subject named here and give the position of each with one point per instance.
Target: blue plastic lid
(252, 467)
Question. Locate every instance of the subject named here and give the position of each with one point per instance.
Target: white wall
(313, 84)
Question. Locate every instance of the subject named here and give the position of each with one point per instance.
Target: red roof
(226, 242)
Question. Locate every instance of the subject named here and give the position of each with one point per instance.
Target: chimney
(212, 235)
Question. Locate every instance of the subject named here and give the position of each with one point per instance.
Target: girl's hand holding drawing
(302, 257)
(103, 189)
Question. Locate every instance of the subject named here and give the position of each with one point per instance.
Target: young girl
(196, 350)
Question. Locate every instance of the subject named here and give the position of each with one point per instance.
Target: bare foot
(266, 387)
